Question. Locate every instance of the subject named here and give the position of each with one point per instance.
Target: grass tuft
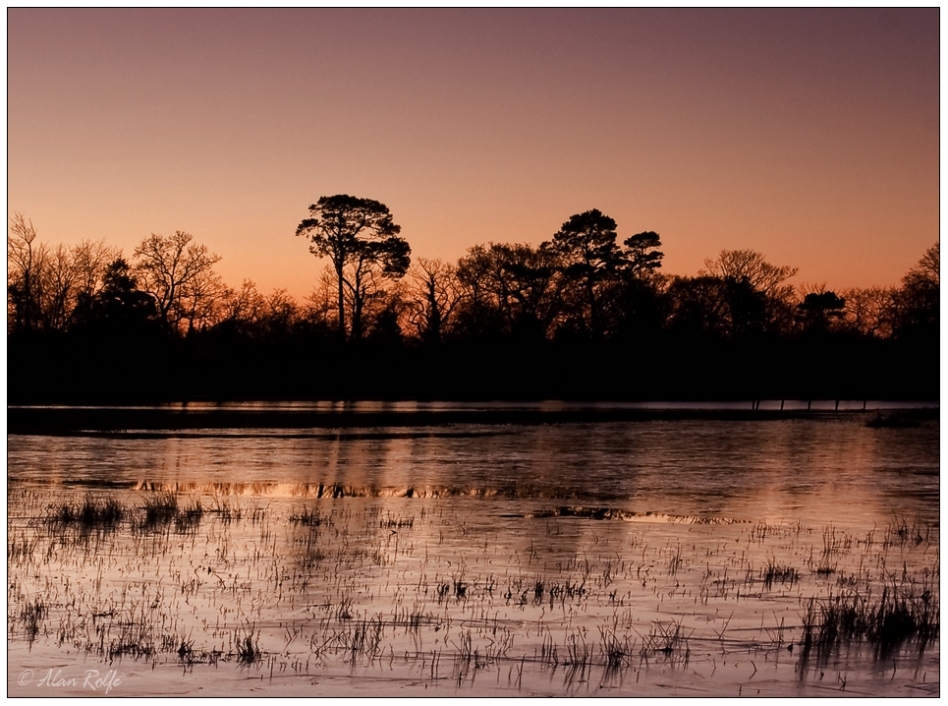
(31, 615)
(248, 649)
(777, 573)
(307, 518)
(667, 639)
(90, 514)
(888, 622)
(160, 509)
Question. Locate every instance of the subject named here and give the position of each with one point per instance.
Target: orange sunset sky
(810, 135)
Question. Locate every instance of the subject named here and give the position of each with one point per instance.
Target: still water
(644, 557)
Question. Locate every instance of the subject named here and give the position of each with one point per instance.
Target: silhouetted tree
(384, 328)
(58, 289)
(716, 308)
(180, 275)
(762, 276)
(746, 268)
(641, 255)
(280, 315)
(25, 258)
(321, 308)
(917, 304)
(45, 284)
(587, 245)
(869, 310)
(484, 292)
(360, 237)
(818, 309)
(434, 295)
(239, 310)
(699, 308)
(630, 298)
(66, 275)
(638, 308)
(533, 286)
(509, 289)
(119, 307)
(247, 313)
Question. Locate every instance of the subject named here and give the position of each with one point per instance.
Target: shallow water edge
(77, 420)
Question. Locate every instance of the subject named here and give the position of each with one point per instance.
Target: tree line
(584, 314)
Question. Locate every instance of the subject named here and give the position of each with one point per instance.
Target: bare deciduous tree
(180, 275)
(434, 293)
(44, 285)
(25, 259)
(68, 275)
(918, 302)
(750, 265)
(869, 310)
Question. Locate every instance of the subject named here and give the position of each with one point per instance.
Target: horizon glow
(809, 135)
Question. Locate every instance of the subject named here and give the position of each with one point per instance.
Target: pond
(793, 556)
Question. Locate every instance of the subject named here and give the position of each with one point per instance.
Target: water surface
(627, 527)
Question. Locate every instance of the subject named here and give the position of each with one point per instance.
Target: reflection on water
(810, 470)
(410, 406)
(623, 558)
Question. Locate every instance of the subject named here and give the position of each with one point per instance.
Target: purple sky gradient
(809, 135)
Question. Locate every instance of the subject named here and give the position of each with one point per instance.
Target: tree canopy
(83, 320)
(359, 237)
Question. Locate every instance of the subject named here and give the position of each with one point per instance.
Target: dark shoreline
(65, 421)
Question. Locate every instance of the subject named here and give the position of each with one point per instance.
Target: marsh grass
(308, 517)
(31, 615)
(675, 561)
(358, 598)
(135, 635)
(247, 647)
(21, 547)
(362, 638)
(899, 532)
(668, 639)
(395, 522)
(186, 652)
(897, 615)
(159, 509)
(90, 514)
(166, 510)
(227, 510)
(189, 517)
(777, 573)
(413, 620)
(616, 651)
(578, 659)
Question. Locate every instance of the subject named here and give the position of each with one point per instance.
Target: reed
(337, 587)
(778, 573)
(160, 509)
(308, 518)
(247, 647)
(668, 639)
(31, 615)
(90, 514)
(888, 621)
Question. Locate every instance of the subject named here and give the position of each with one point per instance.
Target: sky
(808, 135)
